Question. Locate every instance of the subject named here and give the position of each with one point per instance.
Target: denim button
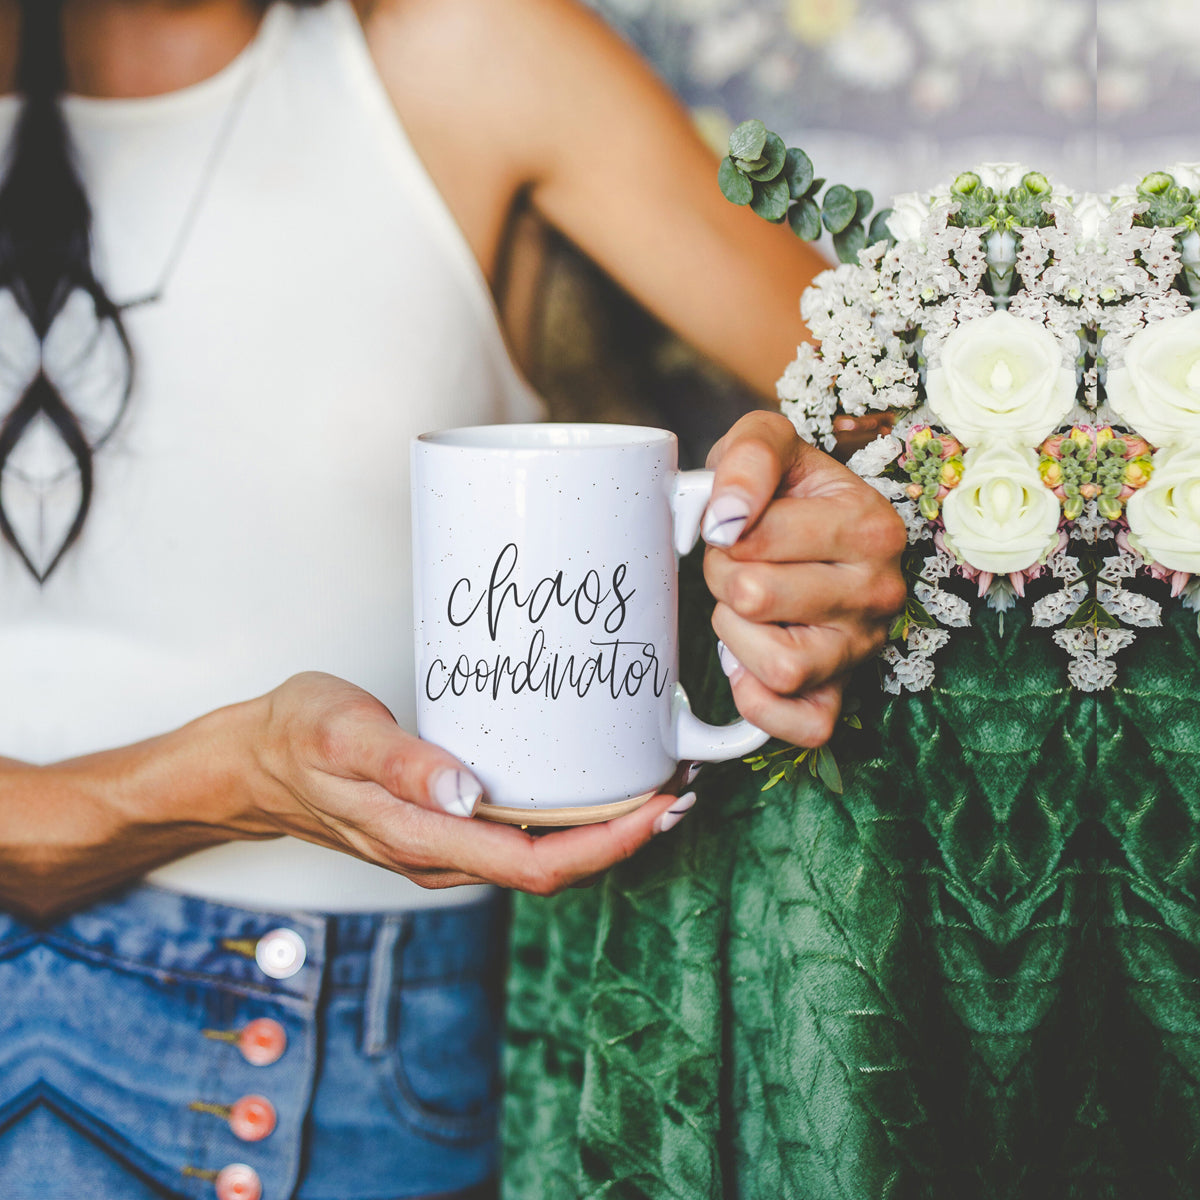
(238, 1182)
(280, 953)
(262, 1042)
(252, 1118)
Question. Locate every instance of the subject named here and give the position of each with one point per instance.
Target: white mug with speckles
(545, 578)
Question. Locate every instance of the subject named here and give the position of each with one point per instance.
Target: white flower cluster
(1044, 381)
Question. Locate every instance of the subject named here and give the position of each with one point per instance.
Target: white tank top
(251, 511)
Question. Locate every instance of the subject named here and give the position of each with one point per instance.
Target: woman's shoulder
(512, 72)
(496, 95)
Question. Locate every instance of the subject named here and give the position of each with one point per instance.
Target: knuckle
(787, 672)
(884, 535)
(329, 739)
(890, 596)
(748, 595)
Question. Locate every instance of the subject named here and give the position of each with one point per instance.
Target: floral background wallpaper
(890, 95)
(896, 94)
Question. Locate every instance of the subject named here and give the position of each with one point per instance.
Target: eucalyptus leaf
(748, 139)
(735, 187)
(771, 200)
(838, 208)
(850, 241)
(773, 157)
(766, 787)
(798, 171)
(813, 188)
(879, 229)
(746, 166)
(866, 202)
(805, 220)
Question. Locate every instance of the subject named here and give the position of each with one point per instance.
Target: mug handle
(696, 740)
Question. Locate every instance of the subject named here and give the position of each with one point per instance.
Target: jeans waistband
(177, 937)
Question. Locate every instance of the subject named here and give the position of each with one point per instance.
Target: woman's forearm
(73, 830)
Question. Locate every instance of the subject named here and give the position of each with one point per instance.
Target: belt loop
(377, 1003)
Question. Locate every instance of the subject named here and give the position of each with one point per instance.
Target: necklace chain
(195, 205)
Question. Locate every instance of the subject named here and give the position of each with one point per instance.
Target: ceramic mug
(546, 563)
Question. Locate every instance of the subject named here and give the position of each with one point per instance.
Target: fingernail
(675, 814)
(457, 792)
(726, 518)
(689, 776)
(729, 664)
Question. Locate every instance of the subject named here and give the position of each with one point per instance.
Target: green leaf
(866, 202)
(879, 230)
(746, 165)
(773, 156)
(855, 722)
(827, 770)
(766, 787)
(798, 171)
(735, 187)
(838, 208)
(814, 187)
(748, 139)
(850, 241)
(805, 220)
(771, 200)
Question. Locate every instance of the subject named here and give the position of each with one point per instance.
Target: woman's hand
(326, 762)
(316, 758)
(853, 433)
(804, 560)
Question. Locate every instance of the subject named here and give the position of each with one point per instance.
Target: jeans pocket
(443, 1071)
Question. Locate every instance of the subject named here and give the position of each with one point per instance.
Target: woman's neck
(133, 48)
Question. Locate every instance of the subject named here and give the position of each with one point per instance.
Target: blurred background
(891, 95)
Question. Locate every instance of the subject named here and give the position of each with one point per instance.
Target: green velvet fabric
(974, 974)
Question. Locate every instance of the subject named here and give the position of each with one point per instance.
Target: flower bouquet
(1038, 349)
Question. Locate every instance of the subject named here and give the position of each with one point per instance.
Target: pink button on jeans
(238, 1182)
(252, 1118)
(262, 1042)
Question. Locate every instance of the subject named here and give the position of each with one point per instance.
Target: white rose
(909, 212)
(1164, 516)
(1157, 391)
(1001, 378)
(1001, 518)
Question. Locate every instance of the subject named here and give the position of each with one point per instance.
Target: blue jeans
(120, 1061)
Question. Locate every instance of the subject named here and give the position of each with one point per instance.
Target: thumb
(374, 748)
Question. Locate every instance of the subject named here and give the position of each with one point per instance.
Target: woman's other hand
(853, 433)
(804, 561)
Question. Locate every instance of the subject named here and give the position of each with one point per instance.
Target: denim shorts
(126, 1071)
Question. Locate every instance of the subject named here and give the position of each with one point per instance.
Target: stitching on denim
(377, 1001)
(134, 966)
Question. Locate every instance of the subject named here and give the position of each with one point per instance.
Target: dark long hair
(45, 256)
(46, 259)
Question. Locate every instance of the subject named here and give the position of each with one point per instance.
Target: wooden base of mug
(591, 814)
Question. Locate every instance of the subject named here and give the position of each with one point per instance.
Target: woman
(299, 229)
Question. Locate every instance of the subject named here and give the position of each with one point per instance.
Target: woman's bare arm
(539, 98)
(316, 758)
